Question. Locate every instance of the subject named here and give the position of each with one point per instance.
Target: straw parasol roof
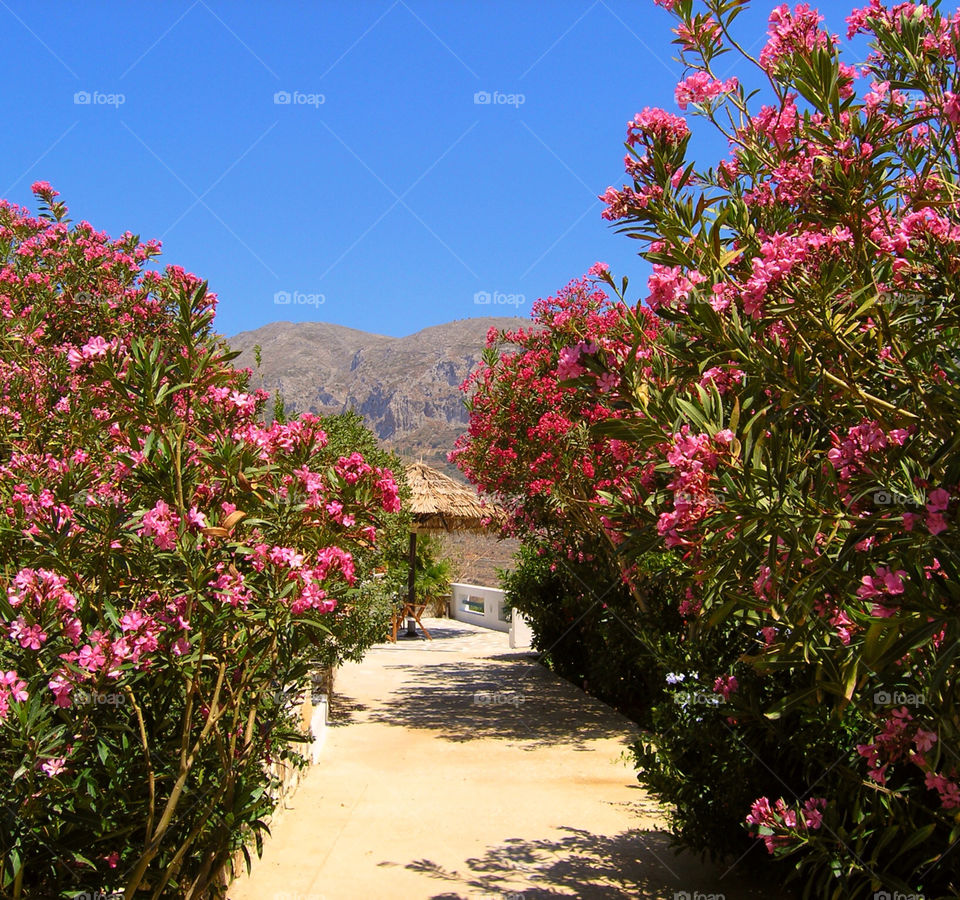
(437, 503)
(440, 503)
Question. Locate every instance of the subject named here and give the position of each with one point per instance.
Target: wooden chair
(408, 611)
(414, 611)
(396, 620)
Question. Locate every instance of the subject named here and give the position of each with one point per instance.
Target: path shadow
(437, 632)
(506, 698)
(344, 710)
(633, 864)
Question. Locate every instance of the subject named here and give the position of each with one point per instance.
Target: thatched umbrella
(438, 503)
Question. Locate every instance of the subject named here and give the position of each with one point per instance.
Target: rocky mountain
(407, 389)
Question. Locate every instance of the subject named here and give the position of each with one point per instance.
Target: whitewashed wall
(479, 606)
(485, 606)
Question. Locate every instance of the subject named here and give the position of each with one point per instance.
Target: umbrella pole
(411, 579)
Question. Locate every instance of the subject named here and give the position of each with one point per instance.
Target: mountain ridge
(407, 388)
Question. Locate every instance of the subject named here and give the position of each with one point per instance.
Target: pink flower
(568, 365)
(947, 789)
(884, 582)
(54, 766)
(161, 522)
(701, 88)
(657, 124)
(924, 740)
(61, 690)
(11, 687)
(951, 107)
(91, 658)
(669, 285)
(607, 382)
(761, 813)
(31, 637)
(352, 468)
(813, 812)
(43, 189)
(937, 504)
(936, 523)
(386, 488)
(74, 358)
(95, 348)
(938, 500)
(244, 402)
(196, 519)
(792, 32)
(726, 685)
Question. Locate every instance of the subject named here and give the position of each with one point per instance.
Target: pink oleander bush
(788, 405)
(171, 570)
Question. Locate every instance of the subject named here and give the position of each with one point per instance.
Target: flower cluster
(166, 554)
(781, 825)
(773, 422)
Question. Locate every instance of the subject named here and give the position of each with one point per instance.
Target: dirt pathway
(459, 768)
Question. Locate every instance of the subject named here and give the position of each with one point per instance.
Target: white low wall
(479, 606)
(485, 606)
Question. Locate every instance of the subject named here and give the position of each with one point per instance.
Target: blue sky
(382, 196)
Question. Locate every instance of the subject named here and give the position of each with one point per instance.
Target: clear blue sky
(397, 198)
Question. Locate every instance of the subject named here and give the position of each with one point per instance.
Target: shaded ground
(458, 768)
